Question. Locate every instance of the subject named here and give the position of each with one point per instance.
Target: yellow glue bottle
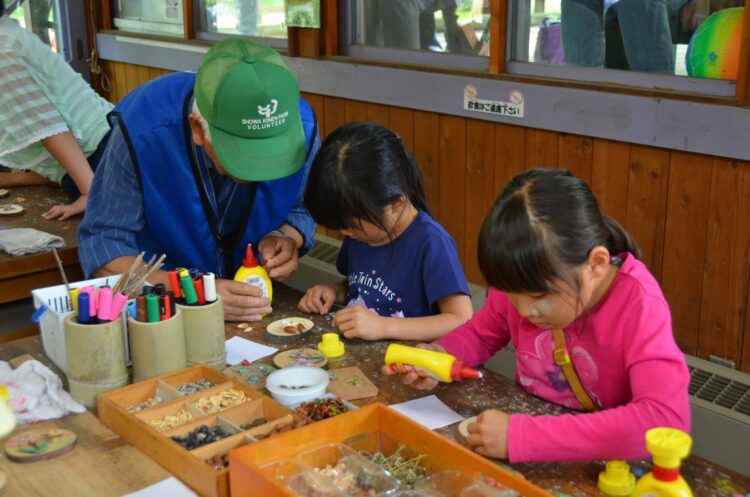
(668, 447)
(7, 418)
(253, 273)
(438, 365)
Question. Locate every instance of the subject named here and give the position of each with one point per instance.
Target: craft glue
(668, 447)
(440, 366)
(253, 273)
(7, 418)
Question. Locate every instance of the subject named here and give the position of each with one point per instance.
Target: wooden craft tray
(371, 428)
(189, 466)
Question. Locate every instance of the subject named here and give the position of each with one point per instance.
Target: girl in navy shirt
(398, 261)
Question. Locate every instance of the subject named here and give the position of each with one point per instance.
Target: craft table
(20, 275)
(104, 465)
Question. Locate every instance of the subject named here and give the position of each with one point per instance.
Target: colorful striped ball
(714, 49)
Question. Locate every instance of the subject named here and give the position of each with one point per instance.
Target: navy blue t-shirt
(406, 277)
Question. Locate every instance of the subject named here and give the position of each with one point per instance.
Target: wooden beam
(330, 26)
(188, 26)
(743, 72)
(106, 18)
(498, 35)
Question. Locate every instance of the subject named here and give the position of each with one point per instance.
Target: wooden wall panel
(480, 189)
(576, 154)
(609, 178)
(452, 178)
(426, 135)
(690, 213)
(686, 219)
(647, 202)
(726, 272)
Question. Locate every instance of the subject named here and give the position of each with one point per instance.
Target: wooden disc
(38, 444)
(300, 357)
(4, 193)
(463, 427)
(11, 210)
(288, 329)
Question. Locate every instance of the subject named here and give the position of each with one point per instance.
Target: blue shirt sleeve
(442, 274)
(299, 217)
(114, 210)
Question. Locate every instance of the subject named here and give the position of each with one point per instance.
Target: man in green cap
(198, 166)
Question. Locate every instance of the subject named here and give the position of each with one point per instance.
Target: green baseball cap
(250, 99)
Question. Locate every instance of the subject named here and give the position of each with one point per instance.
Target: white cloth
(21, 241)
(36, 393)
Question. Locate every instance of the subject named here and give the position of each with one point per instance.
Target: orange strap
(562, 359)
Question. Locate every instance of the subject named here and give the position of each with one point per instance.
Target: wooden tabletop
(101, 465)
(470, 398)
(21, 274)
(104, 465)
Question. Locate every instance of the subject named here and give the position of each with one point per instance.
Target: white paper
(171, 487)
(429, 411)
(239, 348)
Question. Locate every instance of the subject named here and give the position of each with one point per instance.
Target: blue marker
(84, 309)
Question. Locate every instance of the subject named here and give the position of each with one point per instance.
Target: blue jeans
(629, 34)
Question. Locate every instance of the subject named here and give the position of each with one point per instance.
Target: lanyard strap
(562, 359)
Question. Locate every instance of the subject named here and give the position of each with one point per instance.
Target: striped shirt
(42, 96)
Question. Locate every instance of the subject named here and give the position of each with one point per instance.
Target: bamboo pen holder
(95, 358)
(157, 348)
(205, 341)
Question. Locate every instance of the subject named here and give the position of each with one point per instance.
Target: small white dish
(290, 386)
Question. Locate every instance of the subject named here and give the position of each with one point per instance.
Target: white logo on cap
(268, 110)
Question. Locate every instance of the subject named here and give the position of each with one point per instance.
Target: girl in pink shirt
(554, 261)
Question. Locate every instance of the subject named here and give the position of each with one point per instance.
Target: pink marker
(91, 290)
(117, 305)
(105, 303)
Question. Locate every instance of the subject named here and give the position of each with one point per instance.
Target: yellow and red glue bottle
(253, 273)
(438, 365)
(668, 446)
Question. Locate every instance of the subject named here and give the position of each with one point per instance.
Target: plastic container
(95, 358)
(291, 386)
(445, 484)
(253, 273)
(669, 447)
(481, 489)
(51, 323)
(438, 365)
(365, 475)
(205, 341)
(157, 348)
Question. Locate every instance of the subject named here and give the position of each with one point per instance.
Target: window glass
(162, 17)
(263, 18)
(40, 17)
(439, 26)
(698, 38)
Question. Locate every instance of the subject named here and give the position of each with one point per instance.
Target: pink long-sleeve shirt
(624, 352)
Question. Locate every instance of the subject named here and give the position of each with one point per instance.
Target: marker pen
(74, 292)
(152, 307)
(84, 316)
(209, 287)
(117, 304)
(198, 283)
(191, 298)
(140, 309)
(174, 283)
(105, 304)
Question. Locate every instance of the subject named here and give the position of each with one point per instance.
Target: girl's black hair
(360, 169)
(544, 224)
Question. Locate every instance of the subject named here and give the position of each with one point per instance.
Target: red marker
(165, 307)
(198, 283)
(174, 284)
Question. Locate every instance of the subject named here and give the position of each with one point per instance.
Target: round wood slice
(300, 357)
(288, 329)
(463, 427)
(39, 444)
(3, 482)
(11, 210)
(4, 193)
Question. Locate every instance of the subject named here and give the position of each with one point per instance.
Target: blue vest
(153, 118)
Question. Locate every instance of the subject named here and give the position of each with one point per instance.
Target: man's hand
(63, 212)
(489, 435)
(420, 382)
(358, 322)
(318, 299)
(242, 301)
(279, 254)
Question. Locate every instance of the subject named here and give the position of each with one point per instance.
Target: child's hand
(359, 322)
(318, 299)
(489, 435)
(413, 379)
(63, 212)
